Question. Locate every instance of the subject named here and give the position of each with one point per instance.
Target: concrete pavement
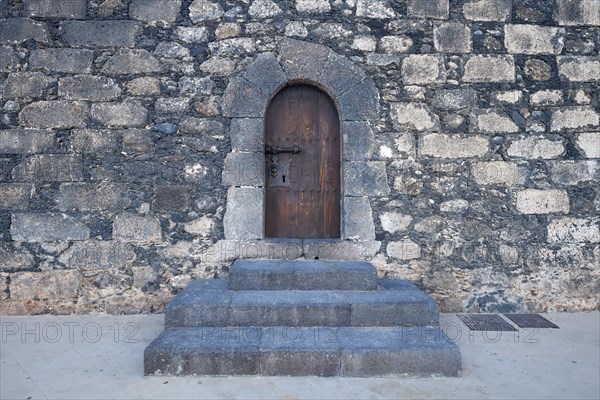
(100, 357)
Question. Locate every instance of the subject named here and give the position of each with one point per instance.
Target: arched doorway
(302, 165)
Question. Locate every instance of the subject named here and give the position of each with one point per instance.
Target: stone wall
(483, 150)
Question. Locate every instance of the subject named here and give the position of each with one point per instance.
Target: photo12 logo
(68, 332)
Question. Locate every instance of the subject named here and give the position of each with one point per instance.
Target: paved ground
(85, 357)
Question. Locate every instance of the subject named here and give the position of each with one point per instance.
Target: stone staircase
(302, 318)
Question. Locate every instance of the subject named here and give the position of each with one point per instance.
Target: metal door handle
(276, 150)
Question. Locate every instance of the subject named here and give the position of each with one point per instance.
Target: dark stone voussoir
(302, 61)
(265, 73)
(243, 99)
(361, 102)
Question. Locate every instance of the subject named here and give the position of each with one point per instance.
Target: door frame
(356, 98)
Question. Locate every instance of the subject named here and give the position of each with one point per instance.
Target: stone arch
(245, 102)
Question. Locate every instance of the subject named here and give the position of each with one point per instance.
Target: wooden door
(302, 165)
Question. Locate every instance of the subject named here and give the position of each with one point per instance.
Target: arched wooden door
(302, 165)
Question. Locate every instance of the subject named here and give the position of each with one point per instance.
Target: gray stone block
(15, 196)
(62, 60)
(265, 73)
(242, 99)
(47, 228)
(289, 308)
(244, 169)
(127, 114)
(454, 99)
(137, 61)
(394, 308)
(358, 140)
(9, 61)
(577, 12)
(130, 227)
(153, 11)
(107, 33)
(247, 134)
(197, 306)
(45, 285)
(452, 37)
(361, 102)
(418, 351)
(314, 351)
(301, 275)
(244, 218)
(90, 141)
(49, 167)
(202, 351)
(340, 249)
(97, 254)
(59, 114)
(579, 68)
(366, 178)
(19, 30)
(104, 196)
(438, 9)
(26, 84)
(75, 9)
(12, 258)
(25, 141)
(358, 219)
(340, 75)
(87, 87)
(302, 60)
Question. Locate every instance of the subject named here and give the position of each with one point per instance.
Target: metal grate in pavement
(530, 321)
(485, 322)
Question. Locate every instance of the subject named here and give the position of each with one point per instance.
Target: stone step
(302, 275)
(209, 303)
(309, 351)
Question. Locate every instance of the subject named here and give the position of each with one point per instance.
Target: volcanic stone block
(104, 196)
(578, 12)
(172, 198)
(589, 143)
(499, 173)
(488, 10)
(89, 141)
(199, 307)
(452, 37)
(358, 140)
(340, 75)
(361, 102)
(125, 114)
(573, 230)
(62, 60)
(49, 167)
(97, 254)
(574, 172)
(574, 118)
(301, 60)
(88, 87)
(153, 11)
(13, 258)
(19, 30)
(47, 228)
(438, 9)
(454, 99)
(413, 116)
(26, 84)
(242, 99)
(9, 61)
(419, 69)
(492, 121)
(358, 219)
(15, 196)
(244, 169)
(579, 69)
(106, 33)
(265, 73)
(302, 275)
(247, 134)
(45, 285)
(244, 218)
(25, 141)
(550, 201)
(59, 114)
(130, 227)
(533, 39)
(75, 9)
(453, 146)
(489, 68)
(367, 178)
(136, 61)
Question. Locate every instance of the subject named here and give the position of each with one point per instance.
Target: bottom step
(306, 351)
